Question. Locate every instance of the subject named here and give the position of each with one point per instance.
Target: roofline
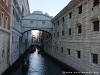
(70, 5)
(39, 14)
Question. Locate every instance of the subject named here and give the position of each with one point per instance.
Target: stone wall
(85, 40)
(4, 50)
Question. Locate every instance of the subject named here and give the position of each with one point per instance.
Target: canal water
(40, 65)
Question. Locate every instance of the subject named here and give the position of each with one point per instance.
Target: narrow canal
(40, 65)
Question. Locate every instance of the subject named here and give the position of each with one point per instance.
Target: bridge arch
(39, 30)
(37, 21)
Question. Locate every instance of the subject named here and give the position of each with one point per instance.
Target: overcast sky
(52, 7)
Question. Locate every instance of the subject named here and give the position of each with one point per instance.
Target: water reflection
(40, 65)
(37, 66)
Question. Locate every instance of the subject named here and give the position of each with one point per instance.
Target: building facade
(18, 39)
(4, 34)
(76, 36)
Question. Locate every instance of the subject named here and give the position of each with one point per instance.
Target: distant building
(4, 34)
(76, 36)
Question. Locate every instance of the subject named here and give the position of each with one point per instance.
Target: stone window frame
(68, 50)
(93, 20)
(62, 32)
(70, 31)
(96, 25)
(70, 15)
(78, 54)
(79, 28)
(62, 50)
(63, 19)
(58, 22)
(80, 9)
(94, 58)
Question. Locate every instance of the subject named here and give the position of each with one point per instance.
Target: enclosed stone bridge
(37, 21)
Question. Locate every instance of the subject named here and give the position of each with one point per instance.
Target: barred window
(63, 33)
(70, 15)
(68, 51)
(78, 54)
(96, 25)
(95, 58)
(58, 22)
(70, 31)
(80, 9)
(79, 29)
(62, 49)
(63, 19)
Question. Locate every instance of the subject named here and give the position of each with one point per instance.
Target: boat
(25, 64)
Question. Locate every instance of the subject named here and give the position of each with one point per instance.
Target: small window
(54, 24)
(68, 51)
(96, 2)
(79, 28)
(58, 22)
(62, 49)
(54, 34)
(70, 31)
(70, 15)
(57, 48)
(80, 9)
(58, 34)
(95, 58)
(63, 19)
(43, 22)
(96, 25)
(63, 33)
(78, 54)
(31, 22)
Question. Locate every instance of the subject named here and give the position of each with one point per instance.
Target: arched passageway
(43, 39)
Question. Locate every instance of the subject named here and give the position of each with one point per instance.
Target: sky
(35, 32)
(52, 7)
